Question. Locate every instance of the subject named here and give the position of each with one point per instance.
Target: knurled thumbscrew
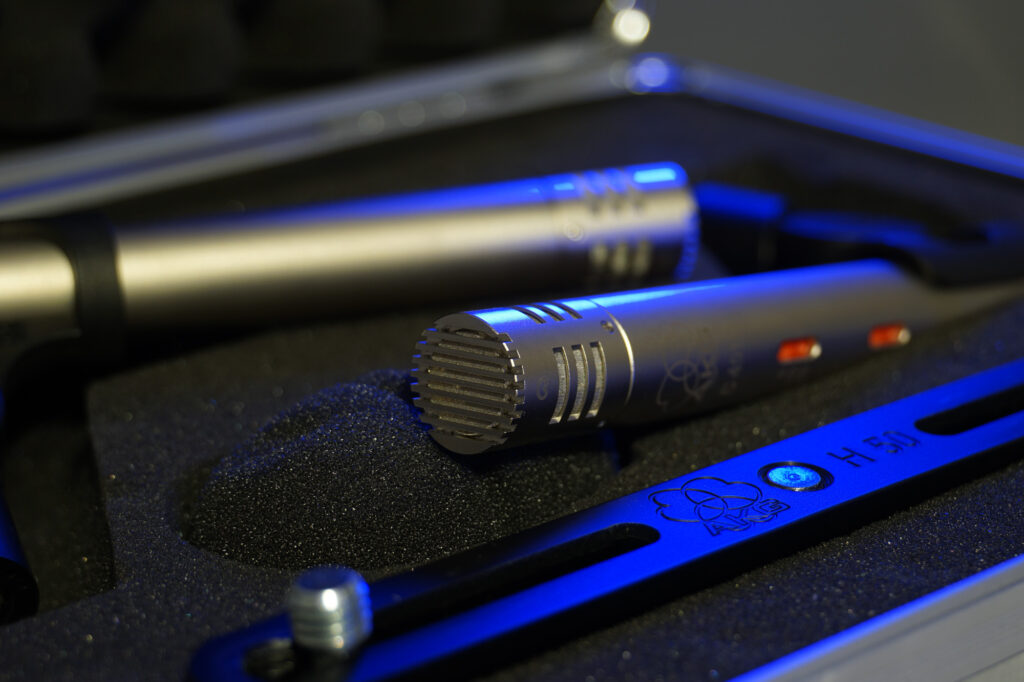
(329, 609)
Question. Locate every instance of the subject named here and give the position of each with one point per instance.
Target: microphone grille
(469, 385)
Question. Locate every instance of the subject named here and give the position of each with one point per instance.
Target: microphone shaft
(509, 376)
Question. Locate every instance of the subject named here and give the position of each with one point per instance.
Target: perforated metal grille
(468, 385)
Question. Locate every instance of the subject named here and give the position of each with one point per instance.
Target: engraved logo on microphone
(690, 376)
(717, 504)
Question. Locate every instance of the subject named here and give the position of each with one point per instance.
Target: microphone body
(509, 376)
(598, 229)
(595, 228)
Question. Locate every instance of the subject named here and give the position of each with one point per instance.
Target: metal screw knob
(329, 609)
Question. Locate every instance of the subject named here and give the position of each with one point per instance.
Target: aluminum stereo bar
(515, 595)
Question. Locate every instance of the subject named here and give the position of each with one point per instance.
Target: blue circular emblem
(796, 476)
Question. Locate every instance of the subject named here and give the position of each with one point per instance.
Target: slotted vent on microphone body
(468, 384)
(542, 313)
(582, 376)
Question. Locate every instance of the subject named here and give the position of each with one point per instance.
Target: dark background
(68, 66)
(960, 64)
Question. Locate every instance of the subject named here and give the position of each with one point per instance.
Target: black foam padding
(314, 39)
(174, 52)
(48, 76)
(443, 25)
(170, 433)
(65, 540)
(559, 15)
(348, 465)
(74, 66)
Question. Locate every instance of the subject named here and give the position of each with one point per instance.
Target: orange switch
(798, 350)
(888, 335)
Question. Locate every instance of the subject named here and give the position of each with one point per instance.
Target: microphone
(73, 277)
(75, 284)
(505, 377)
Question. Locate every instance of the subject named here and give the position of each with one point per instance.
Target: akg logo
(719, 505)
(688, 379)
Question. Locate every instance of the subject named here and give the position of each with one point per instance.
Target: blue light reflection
(499, 316)
(646, 295)
(794, 476)
(652, 73)
(662, 174)
(727, 202)
(649, 175)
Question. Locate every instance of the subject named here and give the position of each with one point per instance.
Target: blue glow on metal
(760, 285)
(602, 182)
(515, 192)
(647, 295)
(652, 73)
(649, 175)
(839, 226)
(10, 548)
(499, 316)
(580, 304)
(510, 193)
(678, 511)
(726, 202)
(562, 185)
(794, 476)
(661, 174)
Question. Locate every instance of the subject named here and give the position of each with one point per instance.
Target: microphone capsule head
(469, 385)
(509, 376)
